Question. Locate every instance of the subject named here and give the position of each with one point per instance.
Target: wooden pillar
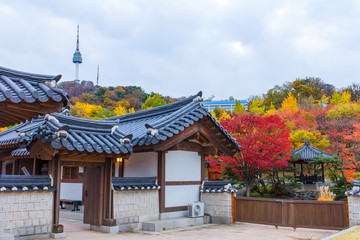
(56, 177)
(202, 167)
(322, 173)
(294, 164)
(34, 166)
(108, 194)
(161, 181)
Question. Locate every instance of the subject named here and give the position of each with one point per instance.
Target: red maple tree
(264, 142)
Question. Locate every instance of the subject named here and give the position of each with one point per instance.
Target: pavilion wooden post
(56, 177)
(108, 219)
(322, 172)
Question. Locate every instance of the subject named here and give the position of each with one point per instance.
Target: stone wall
(26, 213)
(354, 210)
(218, 206)
(132, 207)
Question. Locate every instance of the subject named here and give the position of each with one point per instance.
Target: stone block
(2, 215)
(30, 230)
(28, 222)
(22, 232)
(20, 223)
(12, 198)
(58, 235)
(7, 207)
(27, 197)
(36, 221)
(12, 224)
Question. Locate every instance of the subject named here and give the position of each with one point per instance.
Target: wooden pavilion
(305, 154)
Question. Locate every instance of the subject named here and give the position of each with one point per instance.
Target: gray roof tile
(308, 152)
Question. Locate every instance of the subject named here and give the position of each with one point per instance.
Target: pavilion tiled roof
(117, 135)
(134, 183)
(21, 183)
(27, 88)
(308, 152)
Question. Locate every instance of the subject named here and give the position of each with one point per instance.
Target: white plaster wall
(71, 191)
(182, 166)
(181, 195)
(141, 165)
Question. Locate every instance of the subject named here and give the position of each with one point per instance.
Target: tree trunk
(247, 190)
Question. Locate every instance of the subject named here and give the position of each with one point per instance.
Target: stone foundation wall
(26, 213)
(135, 206)
(354, 210)
(218, 206)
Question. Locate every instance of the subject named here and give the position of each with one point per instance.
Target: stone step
(172, 223)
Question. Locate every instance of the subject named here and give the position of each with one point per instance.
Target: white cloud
(226, 48)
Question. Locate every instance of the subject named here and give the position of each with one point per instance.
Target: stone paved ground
(236, 231)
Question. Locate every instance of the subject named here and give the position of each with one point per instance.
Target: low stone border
(340, 233)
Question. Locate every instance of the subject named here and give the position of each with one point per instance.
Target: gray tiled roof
(356, 189)
(217, 186)
(308, 152)
(21, 183)
(113, 135)
(167, 121)
(20, 153)
(134, 183)
(28, 87)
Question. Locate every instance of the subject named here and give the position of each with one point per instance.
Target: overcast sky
(222, 47)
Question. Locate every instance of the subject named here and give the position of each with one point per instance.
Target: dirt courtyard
(228, 232)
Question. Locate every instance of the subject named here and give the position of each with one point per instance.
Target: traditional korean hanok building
(24, 96)
(154, 158)
(305, 154)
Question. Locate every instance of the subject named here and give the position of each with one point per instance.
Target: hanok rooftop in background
(305, 154)
(227, 105)
(26, 95)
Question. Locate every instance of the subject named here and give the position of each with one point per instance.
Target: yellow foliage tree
(239, 108)
(315, 138)
(3, 129)
(271, 111)
(257, 106)
(338, 98)
(289, 103)
(351, 110)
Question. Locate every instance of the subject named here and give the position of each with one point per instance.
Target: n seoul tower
(77, 59)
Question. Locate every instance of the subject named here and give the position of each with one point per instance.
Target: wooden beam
(182, 183)
(187, 146)
(174, 209)
(214, 140)
(161, 180)
(80, 163)
(202, 167)
(55, 173)
(108, 207)
(177, 138)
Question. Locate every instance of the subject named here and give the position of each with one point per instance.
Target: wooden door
(93, 195)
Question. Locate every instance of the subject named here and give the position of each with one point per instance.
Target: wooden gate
(292, 213)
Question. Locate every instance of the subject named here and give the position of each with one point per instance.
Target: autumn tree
(315, 138)
(264, 142)
(239, 108)
(153, 101)
(256, 106)
(220, 113)
(338, 98)
(289, 103)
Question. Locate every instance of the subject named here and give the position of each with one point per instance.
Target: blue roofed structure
(227, 105)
